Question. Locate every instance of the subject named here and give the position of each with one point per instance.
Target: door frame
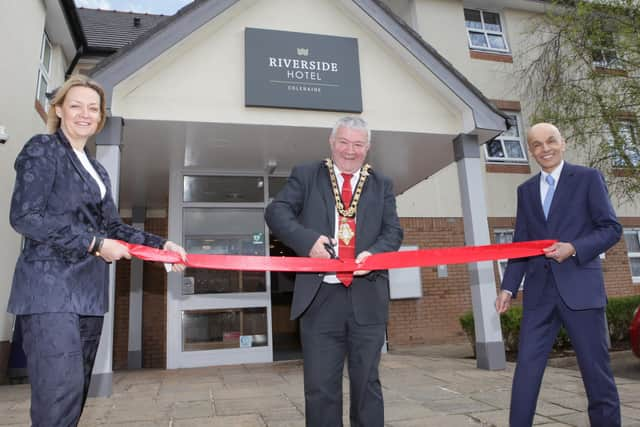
(177, 303)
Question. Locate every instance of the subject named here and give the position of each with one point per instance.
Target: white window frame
(504, 261)
(502, 139)
(44, 71)
(486, 32)
(500, 262)
(609, 57)
(636, 231)
(631, 132)
(604, 61)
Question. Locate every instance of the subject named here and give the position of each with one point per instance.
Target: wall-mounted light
(4, 135)
(271, 166)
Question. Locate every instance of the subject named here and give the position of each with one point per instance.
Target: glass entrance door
(218, 317)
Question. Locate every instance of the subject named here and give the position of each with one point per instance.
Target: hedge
(619, 314)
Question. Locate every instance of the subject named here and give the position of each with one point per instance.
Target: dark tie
(346, 231)
(548, 198)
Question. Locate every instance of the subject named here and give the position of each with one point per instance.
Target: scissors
(332, 252)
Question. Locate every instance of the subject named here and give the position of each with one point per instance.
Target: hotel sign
(304, 71)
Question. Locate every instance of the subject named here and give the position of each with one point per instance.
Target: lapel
(362, 211)
(327, 195)
(71, 155)
(563, 188)
(102, 173)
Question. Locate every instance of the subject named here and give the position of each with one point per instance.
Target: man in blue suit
(570, 204)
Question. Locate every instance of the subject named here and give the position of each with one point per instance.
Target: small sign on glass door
(246, 341)
(188, 285)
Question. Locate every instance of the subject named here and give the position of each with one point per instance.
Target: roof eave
(73, 21)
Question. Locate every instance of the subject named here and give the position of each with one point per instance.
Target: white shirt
(544, 187)
(329, 277)
(82, 156)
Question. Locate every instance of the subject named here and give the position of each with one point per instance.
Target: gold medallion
(345, 233)
(350, 211)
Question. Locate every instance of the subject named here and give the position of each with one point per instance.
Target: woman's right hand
(113, 251)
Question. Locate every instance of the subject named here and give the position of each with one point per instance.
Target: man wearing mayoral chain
(344, 208)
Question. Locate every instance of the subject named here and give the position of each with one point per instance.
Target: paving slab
(423, 386)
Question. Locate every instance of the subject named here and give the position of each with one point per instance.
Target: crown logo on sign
(303, 52)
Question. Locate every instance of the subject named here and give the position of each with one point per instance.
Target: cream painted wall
(437, 18)
(434, 197)
(21, 29)
(213, 60)
(441, 23)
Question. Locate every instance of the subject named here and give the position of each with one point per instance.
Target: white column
(108, 154)
(489, 345)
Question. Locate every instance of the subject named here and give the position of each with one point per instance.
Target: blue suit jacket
(580, 214)
(305, 209)
(56, 206)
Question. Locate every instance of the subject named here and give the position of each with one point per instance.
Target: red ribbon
(381, 261)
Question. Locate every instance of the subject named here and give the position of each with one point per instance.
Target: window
(508, 147)
(485, 31)
(603, 51)
(605, 58)
(43, 71)
(503, 236)
(632, 239)
(627, 143)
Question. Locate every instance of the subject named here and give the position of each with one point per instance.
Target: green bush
(509, 321)
(619, 315)
(466, 322)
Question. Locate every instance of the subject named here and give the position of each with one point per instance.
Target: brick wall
(121, 315)
(154, 302)
(434, 317)
(154, 312)
(617, 272)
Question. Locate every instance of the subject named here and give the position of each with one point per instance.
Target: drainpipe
(74, 61)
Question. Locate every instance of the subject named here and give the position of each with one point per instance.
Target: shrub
(466, 322)
(509, 321)
(619, 314)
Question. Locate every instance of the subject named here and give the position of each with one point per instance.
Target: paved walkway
(423, 386)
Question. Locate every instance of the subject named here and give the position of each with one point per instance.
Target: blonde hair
(53, 121)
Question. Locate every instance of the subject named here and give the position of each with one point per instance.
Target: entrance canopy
(150, 149)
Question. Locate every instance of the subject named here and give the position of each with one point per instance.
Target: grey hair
(351, 122)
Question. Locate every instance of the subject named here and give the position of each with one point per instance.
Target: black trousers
(330, 334)
(61, 349)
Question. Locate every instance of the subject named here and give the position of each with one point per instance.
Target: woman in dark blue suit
(63, 206)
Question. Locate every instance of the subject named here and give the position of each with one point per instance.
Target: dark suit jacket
(305, 209)
(580, 214)
(56, 206)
